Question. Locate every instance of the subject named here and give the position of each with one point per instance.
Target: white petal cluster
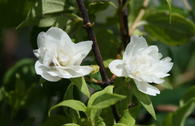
(58, 57)
(142, 63)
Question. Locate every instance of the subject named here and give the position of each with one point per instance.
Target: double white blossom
(58, 57)
(142, 63)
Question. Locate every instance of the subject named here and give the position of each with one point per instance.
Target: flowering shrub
(115, 78)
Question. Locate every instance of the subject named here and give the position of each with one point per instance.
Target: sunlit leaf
(52, 6)
(108, 89)
(74, 104)
(106, 100)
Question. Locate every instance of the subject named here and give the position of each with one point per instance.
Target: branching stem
(91, 35)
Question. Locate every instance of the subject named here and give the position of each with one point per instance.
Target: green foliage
(13, 11)
(169, 2)
(97, 6)
(74, 104)
(81, 85)
(183, 112)
(179, 31)
(104, 98)
(144, 100)
(25, 98)
(134, 8)
(23, 67)
(188, 95)
(50, 6)
(70, 124)
(127, 119)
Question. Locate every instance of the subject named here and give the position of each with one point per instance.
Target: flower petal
(147, 88)
(117, 68)
(58, 34)
(42, 70)
(135, 44)
(166, 64)
(59, 38)
(74, 71)
(82, 50)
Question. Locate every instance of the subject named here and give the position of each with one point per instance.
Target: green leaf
(144, 100)
(43, 12)
(108, 89)
(183, 112)
(127, 119)
(46, 21)
(71, 124)
(81, 85)
(109, 120)
(122, 89)
(100, 122)
(178, 32)
(106, 100)
(52, 6)
(74, 104)
(168, 120)
(69, 92)
(32, 16)
(120, 124)
(102, 99)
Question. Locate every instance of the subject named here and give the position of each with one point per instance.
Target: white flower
(143, 63)
(58, 57)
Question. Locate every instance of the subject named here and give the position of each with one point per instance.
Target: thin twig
(123, 17)
(139, 17)
(91, 35)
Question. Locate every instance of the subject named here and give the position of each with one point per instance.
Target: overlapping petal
(135, 44)
(142, 63)
(147, 88)
(58, 57)
(117, 68)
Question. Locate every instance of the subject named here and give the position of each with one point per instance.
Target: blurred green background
(25, 98)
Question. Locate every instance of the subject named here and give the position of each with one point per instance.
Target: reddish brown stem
(91, 35)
